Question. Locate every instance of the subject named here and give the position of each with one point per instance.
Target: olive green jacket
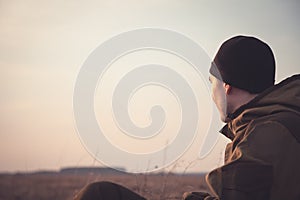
(263, 160)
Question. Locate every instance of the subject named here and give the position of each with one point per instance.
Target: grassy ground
(64, 187)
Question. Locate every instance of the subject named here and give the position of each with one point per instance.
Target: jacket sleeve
(248, 172)
(242, 181)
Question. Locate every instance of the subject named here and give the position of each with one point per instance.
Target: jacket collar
(227, 132)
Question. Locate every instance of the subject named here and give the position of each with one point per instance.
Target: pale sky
(43, 45)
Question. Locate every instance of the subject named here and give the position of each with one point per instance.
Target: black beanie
(246, 63)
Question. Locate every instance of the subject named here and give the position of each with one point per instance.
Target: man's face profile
(218, 96)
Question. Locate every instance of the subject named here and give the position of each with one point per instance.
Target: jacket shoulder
(291, 121)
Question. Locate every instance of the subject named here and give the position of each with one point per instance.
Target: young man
(262, 120)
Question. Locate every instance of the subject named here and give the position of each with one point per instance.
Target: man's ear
(227, 88)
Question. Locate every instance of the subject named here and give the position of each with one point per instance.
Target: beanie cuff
(215, 71)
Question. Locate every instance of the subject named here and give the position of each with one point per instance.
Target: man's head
(243, 67)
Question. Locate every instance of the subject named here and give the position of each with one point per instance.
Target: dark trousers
(111, 191)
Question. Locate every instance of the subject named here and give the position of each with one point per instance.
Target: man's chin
(225, 119)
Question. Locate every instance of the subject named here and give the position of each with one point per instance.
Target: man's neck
(240, 98)
(244, 99)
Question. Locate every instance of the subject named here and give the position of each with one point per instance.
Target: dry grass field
(58, 186)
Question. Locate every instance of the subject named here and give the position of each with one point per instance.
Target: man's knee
(106, 190)
(97, 191)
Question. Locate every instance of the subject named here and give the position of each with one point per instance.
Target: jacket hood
(283, 97)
